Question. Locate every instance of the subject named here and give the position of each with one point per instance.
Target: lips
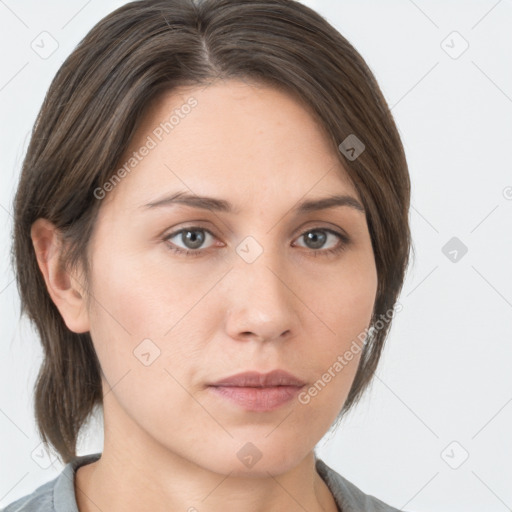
(258, 392)
(260, 380)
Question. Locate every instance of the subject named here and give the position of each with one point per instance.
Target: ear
(65, 288)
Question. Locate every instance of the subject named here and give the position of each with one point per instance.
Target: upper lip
(256, 380)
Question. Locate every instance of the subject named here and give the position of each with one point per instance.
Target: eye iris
(317, 241)
(191, 240)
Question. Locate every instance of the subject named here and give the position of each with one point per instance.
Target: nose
(260, 302)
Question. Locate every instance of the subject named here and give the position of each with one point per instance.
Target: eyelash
(344, 241)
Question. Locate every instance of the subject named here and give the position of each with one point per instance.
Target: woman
(211, 234)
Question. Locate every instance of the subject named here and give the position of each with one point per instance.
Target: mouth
(258, 392)
(260, 380)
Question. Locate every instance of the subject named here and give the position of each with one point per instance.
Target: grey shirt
(58, 495)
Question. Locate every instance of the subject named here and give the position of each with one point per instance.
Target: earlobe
(63, 287)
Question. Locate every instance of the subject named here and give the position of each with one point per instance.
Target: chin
(253, 459)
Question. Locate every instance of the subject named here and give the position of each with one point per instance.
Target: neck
(127, 481)
(137, 472)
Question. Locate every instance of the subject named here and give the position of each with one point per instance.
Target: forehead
(230, 139)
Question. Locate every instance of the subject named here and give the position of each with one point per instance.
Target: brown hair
(93, 107)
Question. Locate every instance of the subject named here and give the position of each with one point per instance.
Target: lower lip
(258, 399)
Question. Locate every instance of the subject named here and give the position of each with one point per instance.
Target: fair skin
(169, 442)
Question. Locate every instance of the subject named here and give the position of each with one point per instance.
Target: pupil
(193, 241)
(317, 241)
(314, 239)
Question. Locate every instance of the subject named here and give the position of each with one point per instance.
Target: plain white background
(433, 433)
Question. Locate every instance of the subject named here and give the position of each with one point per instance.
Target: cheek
(144, 296)
(343, 304)
(147, 315)
(342, 299)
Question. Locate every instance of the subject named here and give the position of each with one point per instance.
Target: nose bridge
(260, 301)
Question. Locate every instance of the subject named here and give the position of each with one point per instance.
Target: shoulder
(348, 496)
(57, 495)
(40, 500)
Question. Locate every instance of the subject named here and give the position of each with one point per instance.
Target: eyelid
(322, 227)
(344, 239)
(194, 227)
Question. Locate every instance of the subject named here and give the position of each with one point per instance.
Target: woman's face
(265, 284)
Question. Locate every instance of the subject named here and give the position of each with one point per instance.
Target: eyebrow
(221, 205)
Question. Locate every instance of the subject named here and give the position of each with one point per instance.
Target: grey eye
(316, 238)
(190, 238)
